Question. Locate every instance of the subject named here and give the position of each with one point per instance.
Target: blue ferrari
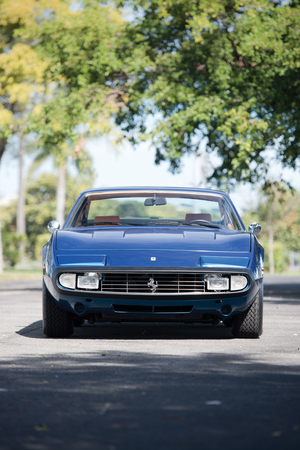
(153, 255)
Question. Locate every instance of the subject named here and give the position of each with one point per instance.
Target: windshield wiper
(107, 223)
(199, 222)
(167, 222)
(202, 223)
(136, 224)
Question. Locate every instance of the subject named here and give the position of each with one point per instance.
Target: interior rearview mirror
(155, 201)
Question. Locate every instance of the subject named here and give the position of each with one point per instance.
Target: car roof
(154, 189)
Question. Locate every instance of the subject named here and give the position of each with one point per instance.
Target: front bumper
(119, 307)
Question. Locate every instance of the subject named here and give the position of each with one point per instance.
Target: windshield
(157, 209)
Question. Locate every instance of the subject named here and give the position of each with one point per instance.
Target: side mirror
(53, 226)
(254, 228)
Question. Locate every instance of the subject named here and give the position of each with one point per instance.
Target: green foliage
(61, 76)
(11, 242)
(279, 210)
(41, 203)
(40, 241)
(227, 70)
(60, 70)
(281, 256)
(40, 210)
(40, 206)
(21, 71)
(85, 75)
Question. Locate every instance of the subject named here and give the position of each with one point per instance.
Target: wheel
(249, 323)
(56, 323)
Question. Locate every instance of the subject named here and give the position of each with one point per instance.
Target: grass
(20, 274)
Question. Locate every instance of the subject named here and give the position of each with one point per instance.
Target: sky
(125, 166)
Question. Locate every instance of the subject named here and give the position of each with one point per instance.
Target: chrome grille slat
(166, 283)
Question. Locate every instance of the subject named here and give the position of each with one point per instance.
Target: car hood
(154, 238)
(152, 247)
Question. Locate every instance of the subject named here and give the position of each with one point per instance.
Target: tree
(87, 78)
(40, 209)
(82, 160)
(41, 205)
(278, 211)
(21, 71)
(21, 76)
(86, 72)
(1, 246)
(228, 70)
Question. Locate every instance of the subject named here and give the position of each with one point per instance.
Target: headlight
(216, 283)
(220, 282)
(90, 280)
(68, 280)
(238, 282)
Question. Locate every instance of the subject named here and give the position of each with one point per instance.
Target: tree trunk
(21, 219)
(1, 249)
(271, 251)
(3, 142)
(61, 194)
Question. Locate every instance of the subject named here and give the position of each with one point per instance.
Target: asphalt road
(149, 386)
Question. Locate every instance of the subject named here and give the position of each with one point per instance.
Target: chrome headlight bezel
(214, 283)
(225, 282)
(89, 281)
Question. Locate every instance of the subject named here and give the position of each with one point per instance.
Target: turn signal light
(238, 282)
(68, 280)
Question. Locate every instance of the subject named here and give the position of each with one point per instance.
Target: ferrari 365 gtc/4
(153, 254)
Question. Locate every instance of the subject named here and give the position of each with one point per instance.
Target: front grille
(157, 283)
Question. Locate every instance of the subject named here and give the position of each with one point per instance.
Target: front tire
(249, 324)
(56, 323)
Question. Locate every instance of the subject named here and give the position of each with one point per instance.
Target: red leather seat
(204, 216)
(114, 219)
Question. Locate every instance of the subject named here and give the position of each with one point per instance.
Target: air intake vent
(155, 283)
